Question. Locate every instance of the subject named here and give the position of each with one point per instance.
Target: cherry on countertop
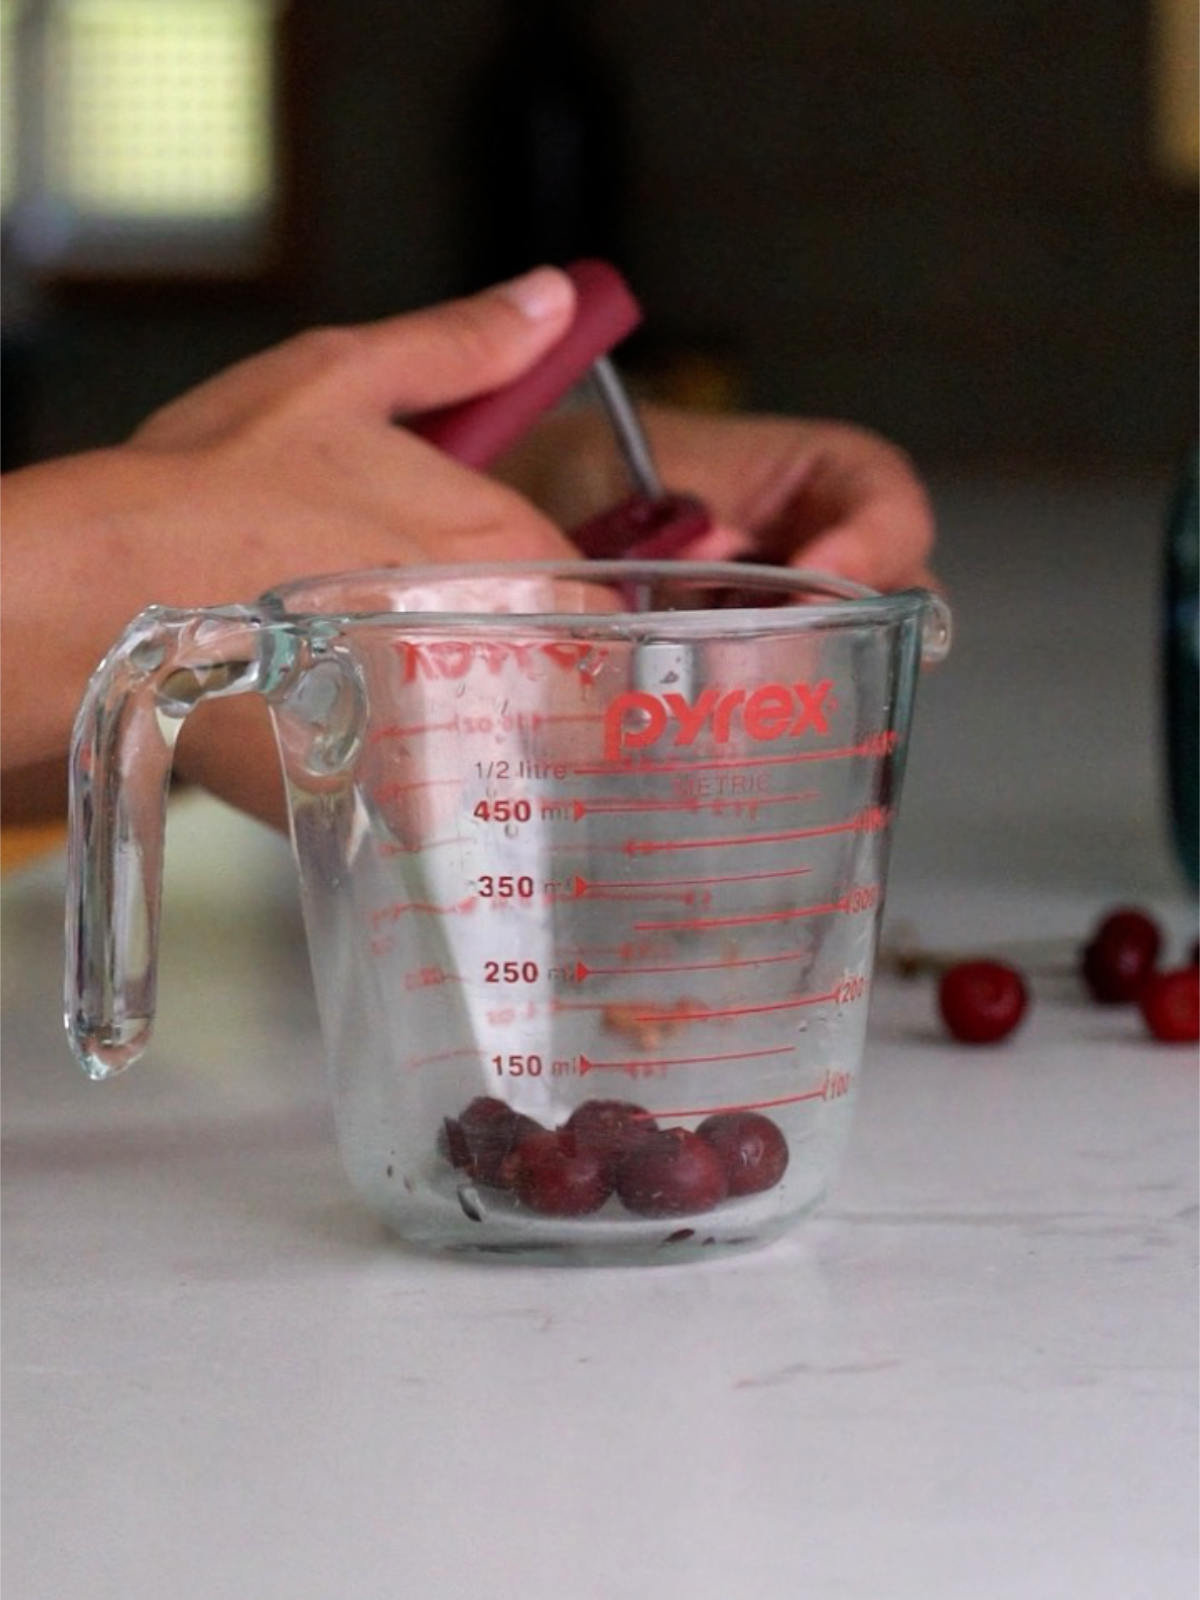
(982, 1001)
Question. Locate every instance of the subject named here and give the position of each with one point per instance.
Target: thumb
(406, 363)
(456, 350)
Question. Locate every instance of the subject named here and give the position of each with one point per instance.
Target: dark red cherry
(675, 1174)
(982, 1001)
(554, 1175)
(1120, 955)
(752, 1149)
(612, 1128)
(484, 1138)
(1170, 1004)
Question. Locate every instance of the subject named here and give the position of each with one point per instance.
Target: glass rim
(849, 603)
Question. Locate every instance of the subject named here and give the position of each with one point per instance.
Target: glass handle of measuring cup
(937, 630)
(163, 665)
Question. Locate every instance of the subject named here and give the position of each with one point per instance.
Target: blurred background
(972, 227)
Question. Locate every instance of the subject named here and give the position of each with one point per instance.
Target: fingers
(228, 746)
(507, 529)
(453, 351)
(450, 512)
(872, 549)
(402, 364)
(861, 512)
(809, 493)
(719, 543)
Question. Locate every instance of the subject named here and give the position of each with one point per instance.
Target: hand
(286, 465)
(812, 494)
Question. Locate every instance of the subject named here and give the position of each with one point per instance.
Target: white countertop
(972, 1376)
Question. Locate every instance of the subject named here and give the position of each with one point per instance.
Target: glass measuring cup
(566, 833)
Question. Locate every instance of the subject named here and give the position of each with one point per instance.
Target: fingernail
(543, 293)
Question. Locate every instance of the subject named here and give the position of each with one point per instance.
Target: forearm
(88, 543)
(35, 794)
(74, 571)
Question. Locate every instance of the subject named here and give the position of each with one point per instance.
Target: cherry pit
(610, 1148)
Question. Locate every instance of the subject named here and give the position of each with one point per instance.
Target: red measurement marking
(741, 1105)
(393, 791)
(395, 731)
(391, 847)
(733, 1011)
(633, 891)
(399, 908)
(869, 747)
(583, 808)
(582, 970)
(594, 848)
(671, 1017)
(635, 1064)
(628, 949)
(747, 921)
(645, 847)
(429, 978)
(447, 1055)
(583, 886)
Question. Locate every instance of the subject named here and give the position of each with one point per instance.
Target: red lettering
(523, 655)
(453, 658)
(492, 653)
(618, 736)
(415, 660)
(691, 718)
(724, 713)
(812, 698)
(568, 654)
(769, 711)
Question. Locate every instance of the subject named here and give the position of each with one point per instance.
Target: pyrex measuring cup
(592, 860)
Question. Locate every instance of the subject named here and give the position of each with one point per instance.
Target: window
(1176, 88)
(139, 136)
